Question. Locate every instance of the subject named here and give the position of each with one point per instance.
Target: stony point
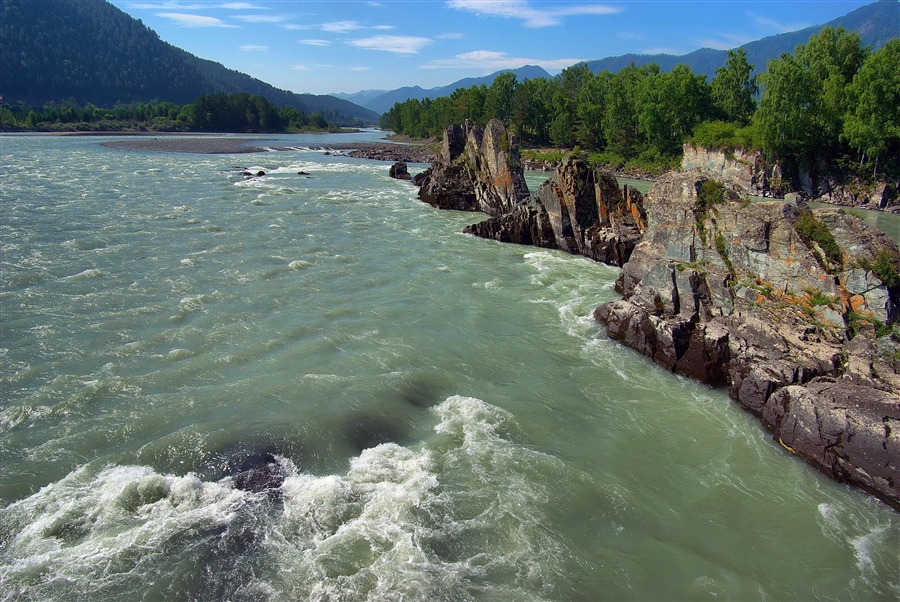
(793, 309)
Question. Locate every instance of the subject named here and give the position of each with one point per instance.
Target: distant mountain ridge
(92, 52)
(876, 24)
(382, 103)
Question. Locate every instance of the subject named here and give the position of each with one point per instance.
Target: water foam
(458, 517)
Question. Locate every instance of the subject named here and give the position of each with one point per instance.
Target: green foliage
(709, 194)
(725, 136)
(818, 298)
(812, 230)
(828, 108)
(856, 322)
(872, 125)
(734, 90)
(722, 249)
(208, 113)
(886, 266)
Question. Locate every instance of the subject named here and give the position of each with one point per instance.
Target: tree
(499, 100)
(872, 125)
(671, 106)
(733, 89)
(800, 116)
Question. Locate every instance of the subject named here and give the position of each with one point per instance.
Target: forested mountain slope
(92, 52)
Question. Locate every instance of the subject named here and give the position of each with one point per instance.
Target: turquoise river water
(450, 421)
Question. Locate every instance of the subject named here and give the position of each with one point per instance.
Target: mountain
(89, 51)
(383, 102)
(361, 97)
(876, 24)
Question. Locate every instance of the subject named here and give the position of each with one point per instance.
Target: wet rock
(848, 431)
(399, 171)
(259, 472)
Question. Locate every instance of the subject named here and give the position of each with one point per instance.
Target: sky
(307, 46)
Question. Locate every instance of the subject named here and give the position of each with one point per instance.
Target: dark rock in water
(265, 473)
(843, 429)
(260, 173)
(369, 431)
(447, 188)
(302, 173)
(246, 174)
(399, 171)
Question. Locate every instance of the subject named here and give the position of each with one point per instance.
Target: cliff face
(742, 296)
(744, 171)
(748, 172)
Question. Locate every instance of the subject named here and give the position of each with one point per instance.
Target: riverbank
(216, 145)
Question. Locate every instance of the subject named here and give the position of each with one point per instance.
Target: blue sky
(348, 46)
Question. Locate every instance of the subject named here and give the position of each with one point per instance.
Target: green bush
(811, 230)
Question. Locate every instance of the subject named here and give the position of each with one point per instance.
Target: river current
(451, 422)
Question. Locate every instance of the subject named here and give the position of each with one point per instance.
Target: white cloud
(494, 61)
(241, 6)
(396, 44)
(724, 41)
(450, 36)
(166, 6)
(359, 68)
(261, 18)
(315, 42)
(533, 17)
(341, 26)
(253, 47)
(185, 20)
(300, 68)
(772, 24)
(295, 26)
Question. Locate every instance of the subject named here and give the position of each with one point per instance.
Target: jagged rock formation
(478, 170)
(579, 210)
(758, 298)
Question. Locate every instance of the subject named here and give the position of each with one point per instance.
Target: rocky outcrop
(399, 171)
(757, 298)
(744, 171)
(578, 210)
(478, 170)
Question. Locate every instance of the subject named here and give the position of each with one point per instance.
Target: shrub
(812, 230)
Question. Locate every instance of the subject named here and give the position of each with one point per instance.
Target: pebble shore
(381, 151)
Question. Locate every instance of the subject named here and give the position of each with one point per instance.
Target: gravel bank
(381, 151)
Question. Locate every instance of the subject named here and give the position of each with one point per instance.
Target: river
(450, 421)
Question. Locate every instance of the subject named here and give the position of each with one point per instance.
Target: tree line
(830, 107)
(219, 112)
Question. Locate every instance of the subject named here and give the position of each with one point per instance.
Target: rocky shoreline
(792, 309)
